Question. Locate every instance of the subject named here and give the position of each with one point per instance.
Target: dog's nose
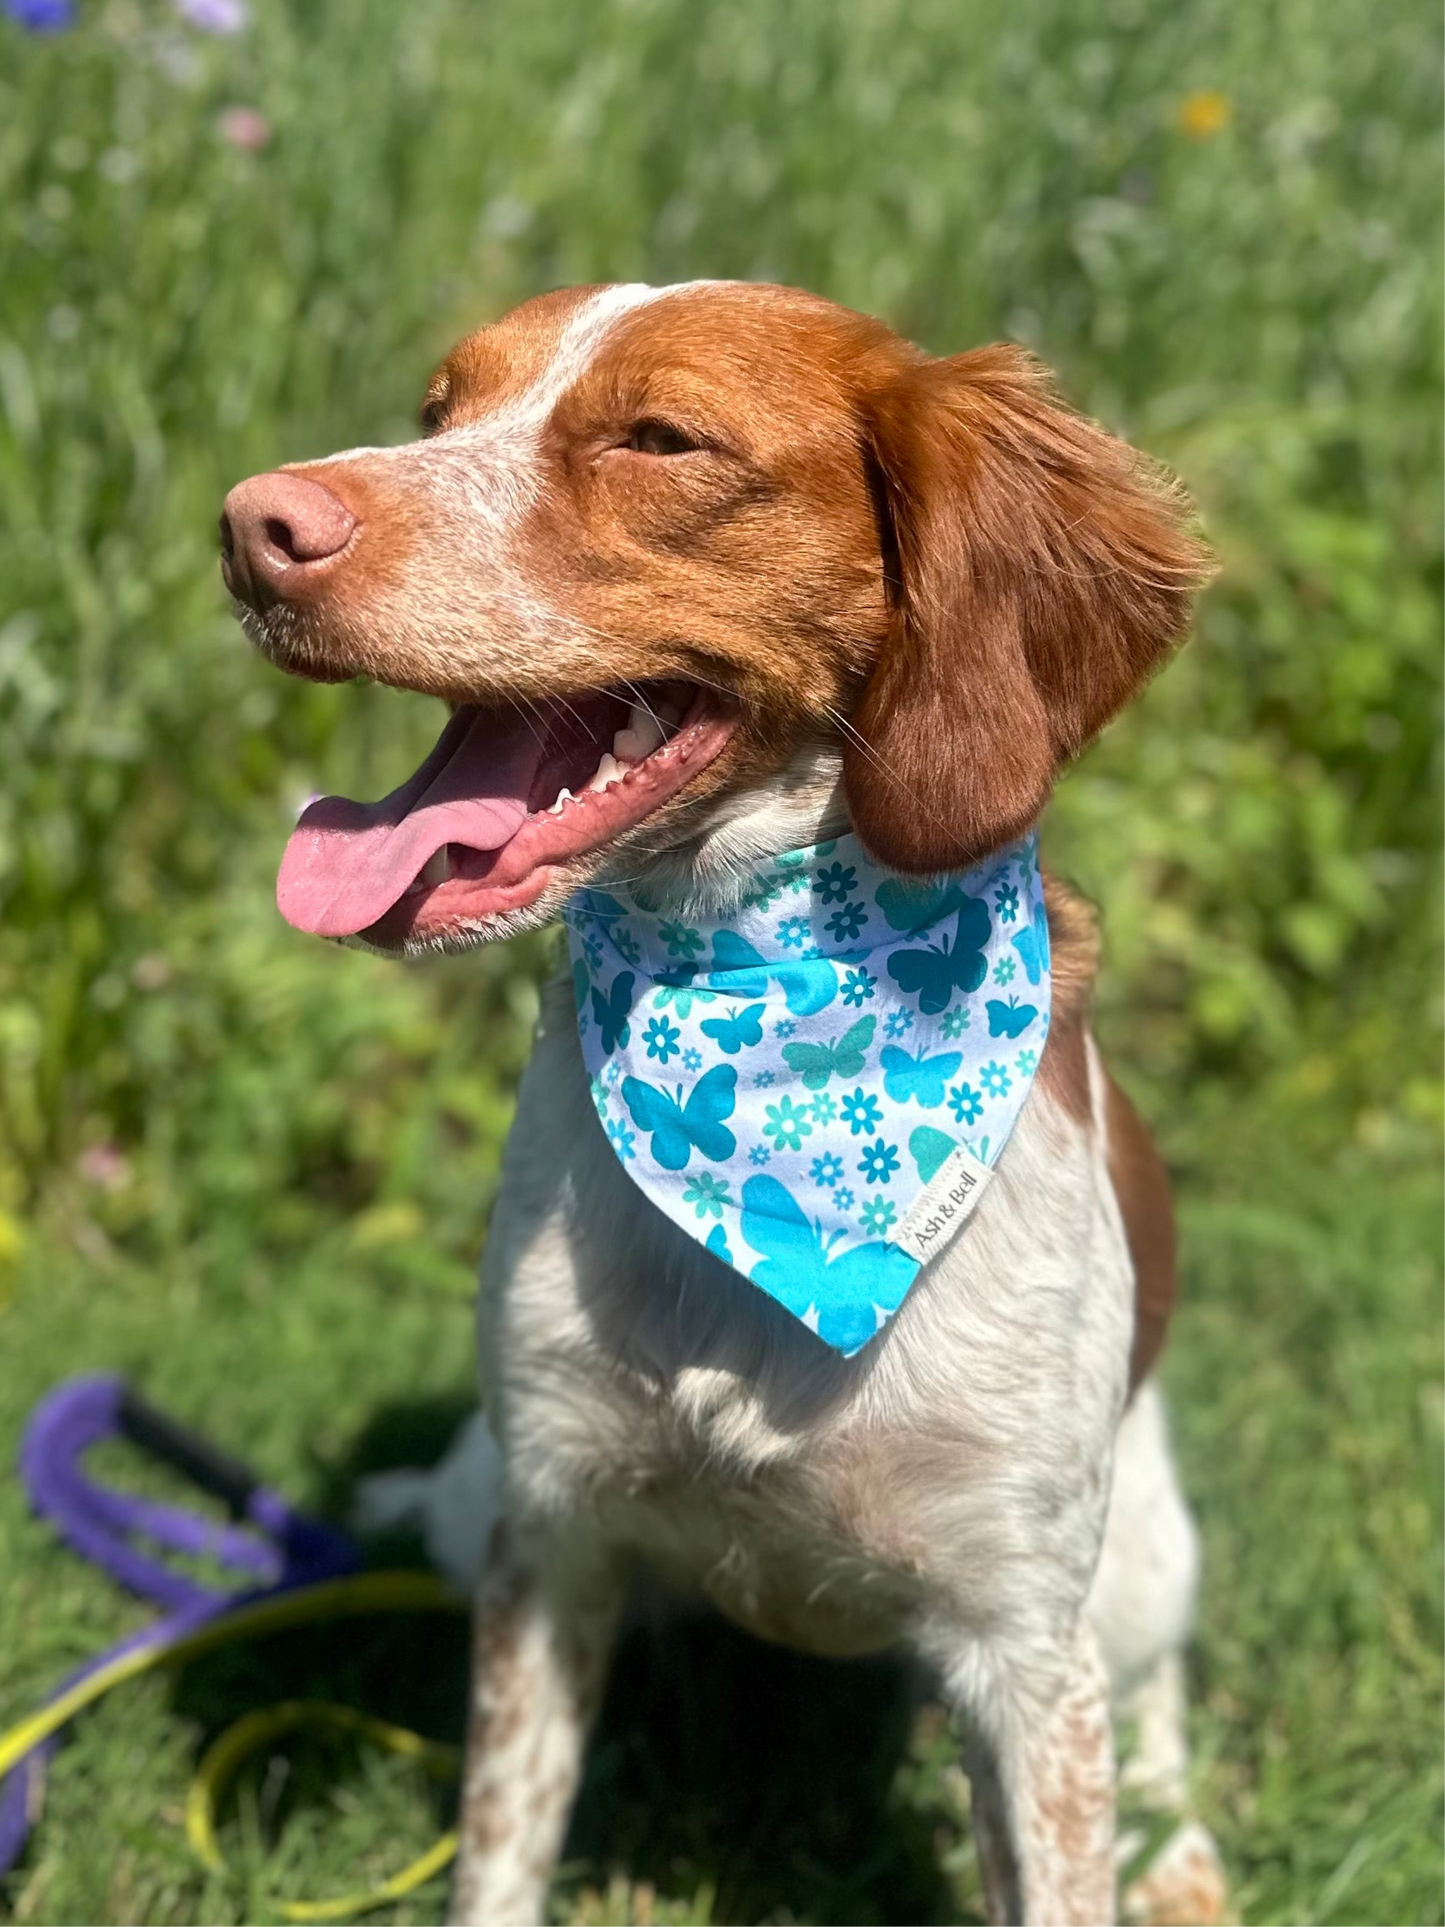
(279, 533)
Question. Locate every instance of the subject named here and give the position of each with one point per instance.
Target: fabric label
(942, 1206)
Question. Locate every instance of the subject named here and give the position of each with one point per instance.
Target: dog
(710, 574)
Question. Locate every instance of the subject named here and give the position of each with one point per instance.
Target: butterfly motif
(843, 1057)
(677, 1128)
(913, 903)
(808, 986)
(930, 1149)
(681, 997)
(1011, 1019)
(613, 1011)
(1032, 944)
(717, 1244)
(932, 975)
(845, 1299)
(922, 1077)
(738, 1028)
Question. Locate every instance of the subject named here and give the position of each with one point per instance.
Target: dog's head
(706, 572)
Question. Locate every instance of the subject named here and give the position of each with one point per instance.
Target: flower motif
(784, 1027)
(600, 1095)
(1007, 899)
(592, 944)
(995, 1079)
(621, 1138)
(759, 1154)
(681, 940)
(1003, 971)
(1026, 1062)
(843, 1198)
(955, 1022)
(793, 932)
(691, 1059)
(862, 1113)
(763, 1081)
(613, 1071)
(661, 1038)
(626, 944)
(707, 1195)
(899, 1023)
(965, 1103)
(858, 986)
(825, 1108)
(827, 1169)
(877, 1214)
(845, 924)
(787, 1124)
(833, 883)
(1203, 114)
(879, 1161)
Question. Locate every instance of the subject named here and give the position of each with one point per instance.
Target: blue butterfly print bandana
(818, 1086)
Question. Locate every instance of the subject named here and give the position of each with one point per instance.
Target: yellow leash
(367, 1592)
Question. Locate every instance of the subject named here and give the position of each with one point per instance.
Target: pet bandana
(817, 1086)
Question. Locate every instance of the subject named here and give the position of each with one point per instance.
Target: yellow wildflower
(1204, 114)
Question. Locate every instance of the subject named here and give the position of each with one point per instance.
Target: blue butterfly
(677, 1128)
(682, 997)
(844, 1299)
(840, 1056)
(932, 975)
(921, 1077)
(912, 903)
(717, 1244)
(1032, 944)
(931, 1150)
(808, 986)
(1011, 1019)
(739, 1027)
(613, 1011)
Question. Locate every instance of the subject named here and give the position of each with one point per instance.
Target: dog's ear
(1039, 573)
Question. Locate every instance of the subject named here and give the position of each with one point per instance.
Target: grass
(253, 1174)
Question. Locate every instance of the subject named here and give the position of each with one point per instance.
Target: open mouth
(505, 798)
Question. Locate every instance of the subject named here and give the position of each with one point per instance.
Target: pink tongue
(347, 863)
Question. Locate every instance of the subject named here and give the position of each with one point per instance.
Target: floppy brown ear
(1044, 570)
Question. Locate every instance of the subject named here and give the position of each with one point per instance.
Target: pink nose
(279, 532)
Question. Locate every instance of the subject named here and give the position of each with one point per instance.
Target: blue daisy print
(846, 923)
(965, 1103)
(879, 1161)
(862, 1113)
(877, 1215)
(1007, 899)
(858, 986)
(764, 1081)
(955, 1022)
(825, 1108)
(1003, 971)
(692, 1059)
(626, 944)
(784, 1027)
(843, 1198)
(995, 1079)
(707, 1194)
(827, 1169)
(599, 1096)
(759, 1154)
(793, 932)
(1026, 1063)
(899, 1022)
(621, 1139)
(661, 1039)
(835, 882)
(681, 940)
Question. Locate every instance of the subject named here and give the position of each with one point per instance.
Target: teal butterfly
(913, 903)
(613, 1011)
(1011, 1019)
(844, 1299)
(932, 975)
(921, 1077)
(931, 1150)
(1032, 944)
(816, 1063)
(681, 997)
(678, 1129)
(808, 986)
(738, 1028)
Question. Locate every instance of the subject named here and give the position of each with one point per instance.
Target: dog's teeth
(640, 738)
(564, 796)
(607, 771)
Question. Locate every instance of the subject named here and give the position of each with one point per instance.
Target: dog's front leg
(543, 1631)
(1040, 1758)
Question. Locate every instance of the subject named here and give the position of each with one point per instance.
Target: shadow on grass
(718, 1765)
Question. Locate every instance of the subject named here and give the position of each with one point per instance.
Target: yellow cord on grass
(367, 1592)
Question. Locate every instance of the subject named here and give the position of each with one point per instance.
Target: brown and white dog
(710, 572)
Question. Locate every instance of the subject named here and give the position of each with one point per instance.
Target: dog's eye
(660, 438)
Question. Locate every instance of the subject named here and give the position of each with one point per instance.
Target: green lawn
(253, 1172)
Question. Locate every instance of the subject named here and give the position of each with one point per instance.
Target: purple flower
(41, 16)
(213, 16)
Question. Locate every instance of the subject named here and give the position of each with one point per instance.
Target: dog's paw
(1183, 1886)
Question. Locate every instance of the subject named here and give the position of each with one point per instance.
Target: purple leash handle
(280, 1548)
